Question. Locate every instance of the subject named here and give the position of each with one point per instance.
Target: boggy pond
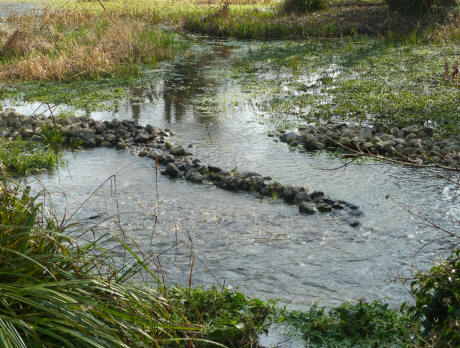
(266, 248)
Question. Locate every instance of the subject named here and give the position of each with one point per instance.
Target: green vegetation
(232, 319)
(356, 80)
(437, 296)
(421, 7)
(57, 291)
(21, 157)
(354, 325)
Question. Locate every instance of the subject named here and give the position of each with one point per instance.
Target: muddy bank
(412, 143)
(149, 141)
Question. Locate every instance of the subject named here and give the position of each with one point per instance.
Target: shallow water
(7, 8)
(265, 248)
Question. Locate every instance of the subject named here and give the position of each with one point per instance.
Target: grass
(59, 291)
(77, 44)
(22, 157)
(358, 80)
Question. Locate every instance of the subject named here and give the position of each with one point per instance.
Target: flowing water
(264, 247)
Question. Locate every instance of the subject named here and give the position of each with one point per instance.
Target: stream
(264, 248)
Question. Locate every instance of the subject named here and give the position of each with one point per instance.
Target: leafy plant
(231, 318)
(363, 324)
(437, 302)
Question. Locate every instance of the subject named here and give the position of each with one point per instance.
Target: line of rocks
(151, 142)
(79, 131)
(180, 164)
(413, 142)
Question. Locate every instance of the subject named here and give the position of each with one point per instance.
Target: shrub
(302, 6)
(437, 296)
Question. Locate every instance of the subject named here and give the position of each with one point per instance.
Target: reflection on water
(266, 248)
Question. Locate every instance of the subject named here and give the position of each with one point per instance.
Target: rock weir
(150, 141)
(409, 143)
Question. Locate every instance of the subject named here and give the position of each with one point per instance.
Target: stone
(289, 137)
(194, 176)
(324, 208)
(316, 194)
(172, 170)
(88, 137)
(121, 145)
(110, 138)
(301, 196)
(307, 208)
(177, 151)
(214, 169)
(141, 138)
(288, 193)
(115, 123)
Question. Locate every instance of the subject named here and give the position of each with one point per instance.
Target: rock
(288, 193)
(365, 134)
(307, 208)
(88, 137)
(411, 129)
(177, 151)
(337, 206)
(316, 194)
(214, 169)
(289, 137)
(99, 127)
(301, 196)
(324, 208)
(311, 144)
(110, 138)
(194, 176)
(121, 145)
(249, 175)
(172, 170)
(202, 169)
(115, 123)
(354, 224)
(141, 138)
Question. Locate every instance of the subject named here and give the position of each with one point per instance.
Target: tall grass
(57, 293)
(75, 44)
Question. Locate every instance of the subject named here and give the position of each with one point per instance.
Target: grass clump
(76, 44)
(22, 157)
